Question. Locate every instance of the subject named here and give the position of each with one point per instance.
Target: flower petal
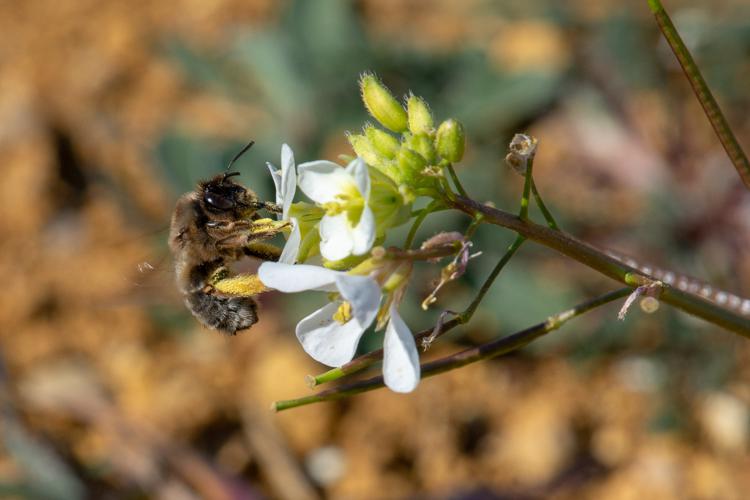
(358, 170)
(291, 248)
(290, 278)
(322, 180)
(401, 370)
(363, 293)
(363, 234)
(326, 340)
(335, 237)
(288, 182)
(276, 176)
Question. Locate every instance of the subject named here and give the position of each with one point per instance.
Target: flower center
(349, 201)
(344, 313)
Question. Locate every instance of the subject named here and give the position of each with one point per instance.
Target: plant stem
(465, 357)
(457, 182)
(528, 179)
(366, 360)
(702, 92)
(465, 316)
(433, 206)
(603, 263)
(546, 213)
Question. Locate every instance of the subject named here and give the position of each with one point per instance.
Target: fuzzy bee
(212, 226)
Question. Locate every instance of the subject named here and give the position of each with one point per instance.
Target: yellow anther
(344, 313)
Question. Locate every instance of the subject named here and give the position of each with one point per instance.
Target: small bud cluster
(415, 157)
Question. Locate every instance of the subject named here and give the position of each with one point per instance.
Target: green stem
(703, 93)
(546, 213)
(463, 358)
(465, 316)
(528, 179)
(603, 263)
(456, 181)
(432, 207)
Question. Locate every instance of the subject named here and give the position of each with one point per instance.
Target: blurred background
(109, 388)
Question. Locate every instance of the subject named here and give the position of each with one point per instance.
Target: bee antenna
(238, 155)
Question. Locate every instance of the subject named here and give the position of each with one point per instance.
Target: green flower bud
(383, 142)
(387, 203)
(422, 144)
(420, 118)
(381, 104)
(345, 263)
(364, 149)
(410, 165)
(451, 140)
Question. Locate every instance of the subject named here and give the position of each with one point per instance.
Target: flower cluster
(413, 160)
(349, 212)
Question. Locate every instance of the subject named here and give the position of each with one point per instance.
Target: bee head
(221, 194)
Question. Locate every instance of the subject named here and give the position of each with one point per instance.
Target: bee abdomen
(226, 314)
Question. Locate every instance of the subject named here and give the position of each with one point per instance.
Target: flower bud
(383, 142)
(450, 140)
(364, 148)
(381, 104)
(422, 144)
(420, 118)
(410, 165)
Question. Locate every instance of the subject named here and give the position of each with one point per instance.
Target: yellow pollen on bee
(344, 313)
(243, 285)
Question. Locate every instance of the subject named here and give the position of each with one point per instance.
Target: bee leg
(221, 230)
(267, 205)
(265, 228)
(263, 251)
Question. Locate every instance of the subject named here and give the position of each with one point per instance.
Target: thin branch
(604, 263)
(463, 358)
(545, 212)
(702, 92)
(528, 179)
(366, 360)
(432, 207)
(456, 181)
(469, 312)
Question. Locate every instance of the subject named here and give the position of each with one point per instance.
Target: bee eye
(219, 200)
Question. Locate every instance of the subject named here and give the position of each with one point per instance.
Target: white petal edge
(288, 185)
(322, 180)
(359, 173)
(291, 248)
(290, 278)
(401, 371)
(276, 176)
(326, 340)
(336, 240)
(363, 293)
(363, 234)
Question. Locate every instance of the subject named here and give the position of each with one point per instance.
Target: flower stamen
(344, 313)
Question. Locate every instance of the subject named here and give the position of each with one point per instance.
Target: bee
(214, 225)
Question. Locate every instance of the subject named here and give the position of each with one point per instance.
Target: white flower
(400, 357)
(348, 227)
(331, 334)
(285, 180)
